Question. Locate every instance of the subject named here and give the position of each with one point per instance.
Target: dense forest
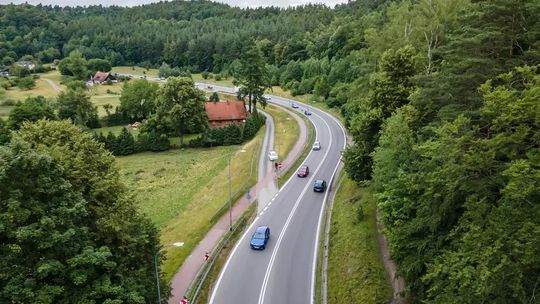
(442, 98)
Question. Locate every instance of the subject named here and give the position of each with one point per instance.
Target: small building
(4, 72)
(101, 77)
(225, 112)
(26, 64)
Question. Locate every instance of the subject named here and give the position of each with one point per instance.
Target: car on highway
(307, 112)
(273, 156)
(317, 145)
(294, 105)
(303, 171)
(260, 238)
(319, 186)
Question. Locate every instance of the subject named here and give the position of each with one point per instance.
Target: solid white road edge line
(281, 235)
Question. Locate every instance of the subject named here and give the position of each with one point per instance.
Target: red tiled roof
(101, 76)
(225, 110)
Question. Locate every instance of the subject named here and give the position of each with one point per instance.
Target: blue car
(320, 185)
(260, 238)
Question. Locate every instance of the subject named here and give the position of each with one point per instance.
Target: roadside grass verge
(310, 100)
(355, 269)
(223, 82)
(135, 71)
(219, 260)
(180, 190)
(307, 148)
(286, 131)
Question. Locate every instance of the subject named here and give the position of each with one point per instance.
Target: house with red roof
(101, 77)
(223, 113)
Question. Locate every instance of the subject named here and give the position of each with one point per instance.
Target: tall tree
(74, 230)
(181, 107)
(389, 90)
(139, 99)
(76, 105)
(253, 77)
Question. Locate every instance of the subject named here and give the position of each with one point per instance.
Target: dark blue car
(319, 186)
(260, 238)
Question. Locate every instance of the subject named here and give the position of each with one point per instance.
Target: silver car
(317, 145)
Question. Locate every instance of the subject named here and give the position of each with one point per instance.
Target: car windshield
(258, 235)
(318, 183)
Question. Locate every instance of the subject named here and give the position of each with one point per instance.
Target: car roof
(262, 228)
(303, 167)
(319, 181)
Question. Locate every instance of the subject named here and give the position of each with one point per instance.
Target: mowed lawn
(181, 189)
(135, 71)
(224, 82)
(286, 131)
(42, 88)
(355, 270)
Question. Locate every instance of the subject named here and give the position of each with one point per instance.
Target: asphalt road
(285, 271)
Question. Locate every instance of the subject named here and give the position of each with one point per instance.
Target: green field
(135, 71)
(180, 190)
(355, 270)
(100, 101)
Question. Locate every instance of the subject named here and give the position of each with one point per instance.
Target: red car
(303, 171)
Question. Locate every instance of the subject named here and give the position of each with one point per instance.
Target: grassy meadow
(135, 71)
(180, 190)
(355, 270)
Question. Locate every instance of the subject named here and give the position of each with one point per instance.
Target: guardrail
(242, 188)
(194, 289)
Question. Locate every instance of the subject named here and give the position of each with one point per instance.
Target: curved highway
(285, 271)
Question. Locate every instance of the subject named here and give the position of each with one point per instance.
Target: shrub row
(126, 144)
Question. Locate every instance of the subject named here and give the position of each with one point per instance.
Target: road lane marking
(289, 218)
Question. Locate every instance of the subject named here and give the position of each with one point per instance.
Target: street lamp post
(177, 244)
(230, 197)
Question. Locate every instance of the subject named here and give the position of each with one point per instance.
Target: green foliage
(214, 97)
(389, 90)
(74, 65)
(26, 83)
(70, 231)
(125, 143)
(253, 78)
(98, 65)
(30, 110)
(180, 108)
(139, 99)
(19, 71)
(5, 135)
(76, 106)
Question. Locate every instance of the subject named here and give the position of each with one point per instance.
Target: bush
(205, 75)
(76, 84)
(26, 83)
(218, 77)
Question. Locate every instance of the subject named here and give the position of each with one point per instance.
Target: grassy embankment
(355, 270)
(286, 131)
(224, 82)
